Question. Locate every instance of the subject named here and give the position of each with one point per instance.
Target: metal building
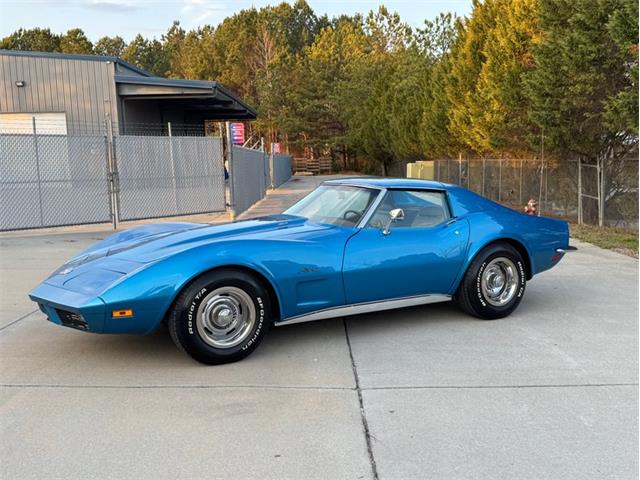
(76, 94)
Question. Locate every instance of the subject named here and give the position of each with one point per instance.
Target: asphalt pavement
(423, 392)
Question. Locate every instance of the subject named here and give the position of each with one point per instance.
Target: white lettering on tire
(256, 334)
(192, 309)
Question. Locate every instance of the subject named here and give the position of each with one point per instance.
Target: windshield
(335, 204)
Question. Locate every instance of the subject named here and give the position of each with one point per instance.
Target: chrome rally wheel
(226, 317)
(221, 317)
(499, 281)
(494, 283)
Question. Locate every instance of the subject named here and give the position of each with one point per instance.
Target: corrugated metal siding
(84, 90)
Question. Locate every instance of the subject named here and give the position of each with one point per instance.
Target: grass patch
(618, 239)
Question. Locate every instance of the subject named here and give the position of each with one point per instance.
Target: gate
(52, 180)
(280, 169)
(249, 173)
(168, 176)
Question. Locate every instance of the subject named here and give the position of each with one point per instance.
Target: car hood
(127, 251)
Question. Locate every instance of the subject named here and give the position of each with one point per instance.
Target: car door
(421, 254)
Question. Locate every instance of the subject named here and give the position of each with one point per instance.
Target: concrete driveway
(426, 392)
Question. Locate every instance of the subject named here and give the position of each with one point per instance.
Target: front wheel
(221, 317)
(494, 284)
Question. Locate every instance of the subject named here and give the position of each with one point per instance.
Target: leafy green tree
(110, 46)
(173, 50)
(583, 78)
(75, 41)
(467, 59)
(435, 42)
(198, 55)
(384, 115)
(147, 54)
(500, 118)
(34, 39)
(386, 31)
(621, 110)
(324, 85)
(370, 92)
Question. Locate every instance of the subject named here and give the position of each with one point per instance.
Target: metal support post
(500, 180)
(521, 170)
(173, 168)
(229, 152)
(112, 172)
(580, 220)
(37, 154)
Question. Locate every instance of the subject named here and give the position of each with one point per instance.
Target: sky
(152, 18)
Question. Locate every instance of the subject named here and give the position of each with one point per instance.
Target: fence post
(603, 196)
(520, 183)
(600, 175)
(173, 168)
(112, 172)
(546, 187)
(483, 169)
(460, 168)
(37, 153)
(541, 171)
(229, 141)
(468, 173)
(266, 166)
(579, 190)
(500, 180)
(272, 168)
(540, 189)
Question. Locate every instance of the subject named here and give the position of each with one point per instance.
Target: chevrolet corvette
(351, 246)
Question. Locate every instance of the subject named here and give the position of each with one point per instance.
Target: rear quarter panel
(490, 222)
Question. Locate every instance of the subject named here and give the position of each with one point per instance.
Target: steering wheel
(352, 214)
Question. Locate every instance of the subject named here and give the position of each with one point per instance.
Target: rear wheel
(494, 284)
(221, 317)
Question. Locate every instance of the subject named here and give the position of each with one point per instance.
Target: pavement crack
(167, 387)
(464, 387)
(363, 416)
(18, 319)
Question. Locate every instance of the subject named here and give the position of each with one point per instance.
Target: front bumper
(70, 309)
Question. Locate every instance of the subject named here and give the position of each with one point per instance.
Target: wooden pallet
(316, 166)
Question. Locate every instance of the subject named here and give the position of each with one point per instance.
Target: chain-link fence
(605, 192)
(49, 180)
(167, 176)
(280, 169)
(249, 173)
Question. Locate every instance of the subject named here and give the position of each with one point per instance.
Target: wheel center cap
(224, 317)
(495, 282)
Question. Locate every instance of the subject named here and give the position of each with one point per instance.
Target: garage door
(22, 123)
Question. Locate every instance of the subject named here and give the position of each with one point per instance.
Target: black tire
(189, 331)
(472, 298)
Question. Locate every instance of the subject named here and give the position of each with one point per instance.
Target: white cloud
(117, 6)
(200, 11)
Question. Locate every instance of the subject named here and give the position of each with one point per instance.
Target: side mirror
(395, 215)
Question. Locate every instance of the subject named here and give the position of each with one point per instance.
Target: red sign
(237, 133)
(275, 147)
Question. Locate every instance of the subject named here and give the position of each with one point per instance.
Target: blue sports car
(350, 246)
